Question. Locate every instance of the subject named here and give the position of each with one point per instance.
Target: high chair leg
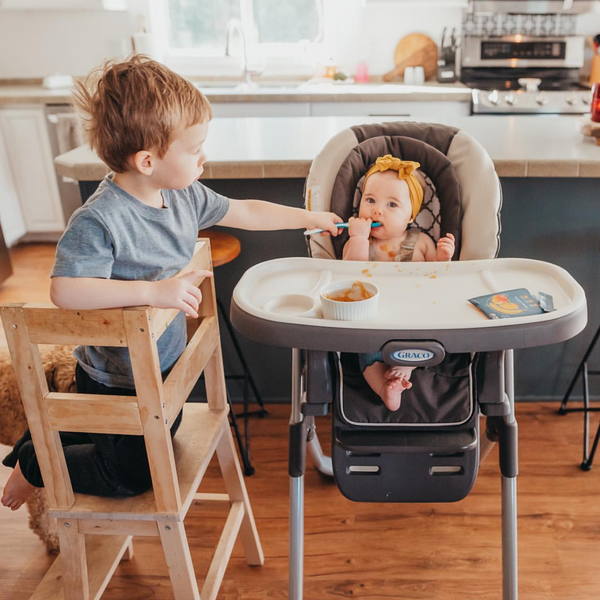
(73, 561)
(508, 454)
(236, 489)
(179, 560)
(296, 470)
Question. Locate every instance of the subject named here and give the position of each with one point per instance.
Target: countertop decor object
(413, 50)
(596, 102)
(590, 128)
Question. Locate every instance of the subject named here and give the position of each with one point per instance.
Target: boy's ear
(143, 162)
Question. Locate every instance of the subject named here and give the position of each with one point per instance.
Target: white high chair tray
(425, 300)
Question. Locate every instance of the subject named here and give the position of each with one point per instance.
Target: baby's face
(386, 199)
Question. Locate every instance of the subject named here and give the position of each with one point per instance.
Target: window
(273, 28)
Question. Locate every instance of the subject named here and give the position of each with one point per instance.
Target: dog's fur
(59, 367)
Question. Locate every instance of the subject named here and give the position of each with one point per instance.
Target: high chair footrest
(406, 442)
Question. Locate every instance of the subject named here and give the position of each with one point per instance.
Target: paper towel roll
(147, 43)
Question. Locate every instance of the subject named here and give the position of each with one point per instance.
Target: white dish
(356, 310)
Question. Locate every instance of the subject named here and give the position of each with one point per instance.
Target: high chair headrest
(432, 162)
(475, 221)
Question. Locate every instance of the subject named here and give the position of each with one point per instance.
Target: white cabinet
(429, 109)
(11, 218)
(27, 147)
(63, 4)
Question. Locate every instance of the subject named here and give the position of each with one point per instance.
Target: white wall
(37, 43)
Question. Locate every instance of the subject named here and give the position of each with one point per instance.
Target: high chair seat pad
(440, 396)
(435, 166)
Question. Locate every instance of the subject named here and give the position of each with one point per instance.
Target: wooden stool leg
(129, 552)
(179, 561)
(236, 488)
(73, 561)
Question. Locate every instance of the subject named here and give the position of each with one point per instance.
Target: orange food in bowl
(356, 293)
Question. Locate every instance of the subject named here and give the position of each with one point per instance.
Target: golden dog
(59, 367)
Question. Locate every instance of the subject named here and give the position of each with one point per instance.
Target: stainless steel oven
(523, 63)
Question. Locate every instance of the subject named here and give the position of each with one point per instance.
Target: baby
(392, 196)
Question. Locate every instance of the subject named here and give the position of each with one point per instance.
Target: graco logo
(413, 355)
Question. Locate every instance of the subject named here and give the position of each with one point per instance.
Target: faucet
(235, 25)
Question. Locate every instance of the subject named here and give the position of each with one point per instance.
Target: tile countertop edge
(518, 146)
(96, 171)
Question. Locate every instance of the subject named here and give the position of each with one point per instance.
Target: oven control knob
(510, 99)
(494, 97)
(571, 100)
(542, 99)
(585, 99)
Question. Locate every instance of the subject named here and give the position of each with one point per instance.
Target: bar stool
(582, 369)
(225, 248)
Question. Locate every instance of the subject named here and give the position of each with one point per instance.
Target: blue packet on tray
(511, 303)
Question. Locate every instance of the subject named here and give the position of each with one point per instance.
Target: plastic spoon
(340, 225)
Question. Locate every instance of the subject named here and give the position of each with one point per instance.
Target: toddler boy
(124, 246)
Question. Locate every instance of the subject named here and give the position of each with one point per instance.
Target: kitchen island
(551, 211)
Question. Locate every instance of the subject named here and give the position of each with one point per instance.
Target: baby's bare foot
(16, 490)
(396, 381)
(402, 373)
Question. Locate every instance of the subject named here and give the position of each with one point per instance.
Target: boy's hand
(358, 227)
(324, 220)
(179, 292)
(445, 248)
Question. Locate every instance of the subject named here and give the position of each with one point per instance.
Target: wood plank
(190, 365)
(33, 388)
(161, 318)
(193, 447)
(113, 527)
(73, 561)
(103, 556)
(92, 413)
(179, 561)
(48, 324)
(219, 563)
(236, 488)
(147, 376)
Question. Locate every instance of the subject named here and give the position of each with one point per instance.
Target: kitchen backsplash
(34, 44)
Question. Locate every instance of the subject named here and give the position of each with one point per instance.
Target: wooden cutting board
(413, 50)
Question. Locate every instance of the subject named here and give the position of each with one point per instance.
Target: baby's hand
(178, 292)
(358, 227)
(445, 248)
(324, 220)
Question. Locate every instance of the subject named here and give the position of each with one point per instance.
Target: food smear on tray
(356, 293)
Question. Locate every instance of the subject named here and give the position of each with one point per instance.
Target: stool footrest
(103, 556)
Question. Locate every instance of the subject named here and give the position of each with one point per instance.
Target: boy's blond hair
(136, 105)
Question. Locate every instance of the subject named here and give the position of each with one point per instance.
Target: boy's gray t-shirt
(115, 236)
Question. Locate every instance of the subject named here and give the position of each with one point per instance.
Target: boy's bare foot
(396, 381)
(16, 490)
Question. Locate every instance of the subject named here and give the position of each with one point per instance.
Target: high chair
(96, 532)
(429, 449)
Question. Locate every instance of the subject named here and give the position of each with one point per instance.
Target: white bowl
(358, 310)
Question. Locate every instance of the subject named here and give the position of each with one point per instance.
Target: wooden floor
(366, 551)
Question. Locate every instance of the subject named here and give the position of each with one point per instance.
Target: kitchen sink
(216, 87)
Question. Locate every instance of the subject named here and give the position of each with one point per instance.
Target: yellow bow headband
(405, 170)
